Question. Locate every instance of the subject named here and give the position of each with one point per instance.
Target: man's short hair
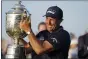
(41, 23)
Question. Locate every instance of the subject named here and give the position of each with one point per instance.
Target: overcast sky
(75, 14)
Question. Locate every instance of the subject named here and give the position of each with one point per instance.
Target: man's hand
(26, 45)
(28, 48)
(25, 24)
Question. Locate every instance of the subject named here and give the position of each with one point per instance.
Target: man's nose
(48, 21)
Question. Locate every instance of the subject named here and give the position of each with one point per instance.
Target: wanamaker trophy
(13, 18)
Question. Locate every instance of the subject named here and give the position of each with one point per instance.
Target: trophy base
(16, 52)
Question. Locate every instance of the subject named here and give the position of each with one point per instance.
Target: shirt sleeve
(42, 35)
(57, 40)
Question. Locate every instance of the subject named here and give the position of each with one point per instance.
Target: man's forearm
(36, 45)
(28, 50)
(26, 45)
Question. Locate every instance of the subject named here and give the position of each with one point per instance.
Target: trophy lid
(17, 9)
(18, 5)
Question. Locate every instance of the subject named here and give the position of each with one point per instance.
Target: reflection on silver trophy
(13, 18)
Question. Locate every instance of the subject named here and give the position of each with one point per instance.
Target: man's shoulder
(65, 32)
(65, 35)
(62, 30)
(42, 33)
(83, 37)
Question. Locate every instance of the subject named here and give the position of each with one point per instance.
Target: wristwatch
(28, 32)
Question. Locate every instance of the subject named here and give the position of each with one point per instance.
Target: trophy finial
(19, 2)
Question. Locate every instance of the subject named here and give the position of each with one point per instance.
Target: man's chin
(49, 30)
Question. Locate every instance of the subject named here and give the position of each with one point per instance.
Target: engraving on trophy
(12, 27)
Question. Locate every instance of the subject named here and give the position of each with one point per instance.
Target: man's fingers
(24, 21)
(21, 21)
(28, 19)
(23, 18)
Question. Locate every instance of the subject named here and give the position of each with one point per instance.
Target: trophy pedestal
(16, 52)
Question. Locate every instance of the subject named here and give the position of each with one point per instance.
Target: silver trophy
(13, 18)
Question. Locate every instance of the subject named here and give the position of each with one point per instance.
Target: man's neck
(57, 27)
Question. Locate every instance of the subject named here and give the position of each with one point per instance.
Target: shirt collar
(58, 29)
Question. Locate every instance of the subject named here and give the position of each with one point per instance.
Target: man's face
(50, 23)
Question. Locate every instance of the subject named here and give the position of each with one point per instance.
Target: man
(41, 26)
(56, 40)
(83, 46)
(73, 51)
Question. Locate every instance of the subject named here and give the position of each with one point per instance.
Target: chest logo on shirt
(87, 47)
(54, 40)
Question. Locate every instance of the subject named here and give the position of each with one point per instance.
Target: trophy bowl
(12, 26)
(13, 18)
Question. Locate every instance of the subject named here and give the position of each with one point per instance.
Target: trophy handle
(26, 16)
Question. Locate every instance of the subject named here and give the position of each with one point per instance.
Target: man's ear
(60, 20)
